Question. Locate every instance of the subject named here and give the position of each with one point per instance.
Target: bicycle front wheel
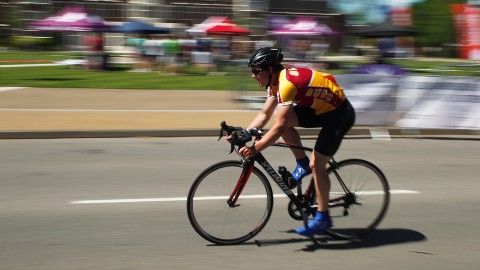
(359, 198)
(214, 218)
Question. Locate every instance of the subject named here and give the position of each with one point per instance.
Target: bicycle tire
(371, 193)
(211, 216)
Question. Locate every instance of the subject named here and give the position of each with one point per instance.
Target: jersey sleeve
(272, 92)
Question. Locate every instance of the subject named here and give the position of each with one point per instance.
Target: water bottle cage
(287, 177)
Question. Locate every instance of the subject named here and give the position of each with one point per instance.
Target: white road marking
(4, 89)
(368, 193)
(174, 199)
(380, 134)
(113, 110)
(177, 199)
(63, 63)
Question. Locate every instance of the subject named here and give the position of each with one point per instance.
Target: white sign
(439, 102)
(372, 96)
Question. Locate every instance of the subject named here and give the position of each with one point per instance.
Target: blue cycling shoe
(319, 224)
(302, 169)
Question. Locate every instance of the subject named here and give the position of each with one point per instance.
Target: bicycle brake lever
(223, 125)
(221, 134)
(233, 142)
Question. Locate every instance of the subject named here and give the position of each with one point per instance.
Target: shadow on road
(381, 237)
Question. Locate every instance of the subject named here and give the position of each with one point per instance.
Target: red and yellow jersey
(307, 87)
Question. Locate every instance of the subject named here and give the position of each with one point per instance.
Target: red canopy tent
(218, 26)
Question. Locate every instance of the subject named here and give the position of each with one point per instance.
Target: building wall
(310, 6)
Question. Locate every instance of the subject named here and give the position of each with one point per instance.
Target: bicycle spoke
(357, 211)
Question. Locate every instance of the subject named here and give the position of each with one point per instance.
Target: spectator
(172, 50)
(96, 60)
(137, 43)
(151, 53)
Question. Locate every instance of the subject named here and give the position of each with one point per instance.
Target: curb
(374, 132)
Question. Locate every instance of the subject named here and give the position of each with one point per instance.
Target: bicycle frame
(298, 200)
(347, 200)
(248, 166)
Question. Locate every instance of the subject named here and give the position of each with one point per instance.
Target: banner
(401, 17)
(466, 19)
(373, 96)
(438, 102)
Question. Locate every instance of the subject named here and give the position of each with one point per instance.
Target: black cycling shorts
(335, 124)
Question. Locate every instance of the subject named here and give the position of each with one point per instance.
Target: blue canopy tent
(137, 27)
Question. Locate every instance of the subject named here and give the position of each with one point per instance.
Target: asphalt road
(48, 220)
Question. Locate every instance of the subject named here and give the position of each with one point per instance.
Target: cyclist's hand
(247, 152)
(228, 138)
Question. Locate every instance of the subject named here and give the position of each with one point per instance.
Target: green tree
(433, 20)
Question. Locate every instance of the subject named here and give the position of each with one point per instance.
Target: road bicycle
(231, 201)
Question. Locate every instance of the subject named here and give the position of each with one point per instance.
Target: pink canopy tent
(303, 26)
(218, 26)
(71, 19)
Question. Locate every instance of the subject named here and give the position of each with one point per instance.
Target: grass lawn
(65, 77)
(33, 57)
(440, 68)
(121, 78)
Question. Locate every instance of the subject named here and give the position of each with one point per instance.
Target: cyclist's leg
(318, 164)
(291, 136)
(321, 220)
(337, 124)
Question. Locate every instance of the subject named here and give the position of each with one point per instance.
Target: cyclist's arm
(281, 124)
(265, 113)
(278, 128)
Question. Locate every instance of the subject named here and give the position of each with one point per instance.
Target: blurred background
(330, 27)
(383, 52)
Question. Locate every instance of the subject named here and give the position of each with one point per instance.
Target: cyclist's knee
(319, 162)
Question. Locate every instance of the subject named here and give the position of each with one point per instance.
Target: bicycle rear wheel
(359, 198)
(214, 219)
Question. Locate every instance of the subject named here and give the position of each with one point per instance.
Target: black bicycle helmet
(267, 56)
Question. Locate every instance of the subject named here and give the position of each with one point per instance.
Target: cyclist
(305, 98)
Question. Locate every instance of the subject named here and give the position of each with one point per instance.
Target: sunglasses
(256, 71)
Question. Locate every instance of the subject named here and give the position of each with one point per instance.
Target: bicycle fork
(242, 181)
(300, 202)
